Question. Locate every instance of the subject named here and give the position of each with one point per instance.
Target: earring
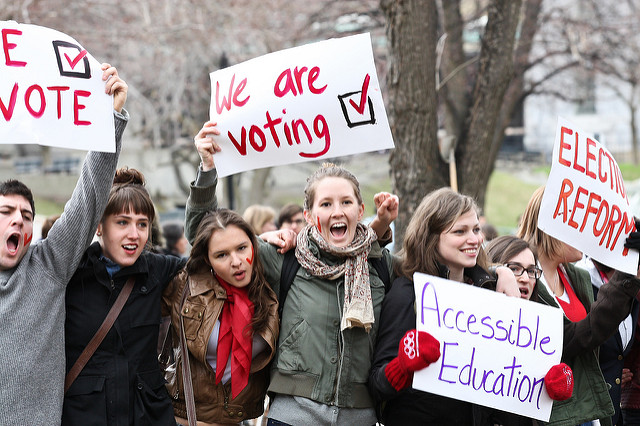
(99, 234)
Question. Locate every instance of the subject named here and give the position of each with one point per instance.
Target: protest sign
(51, 91)
(584, 202)
(312, 102)
(495, 350)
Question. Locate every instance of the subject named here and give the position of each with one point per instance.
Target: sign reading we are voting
(51, 91)
(496, 357)
(585, 203)
(312, 102)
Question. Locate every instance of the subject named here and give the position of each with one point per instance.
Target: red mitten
(559, 382)
(416, 351)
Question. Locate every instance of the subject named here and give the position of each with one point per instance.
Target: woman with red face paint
(121, 383)
(230, 323)
(330, 319)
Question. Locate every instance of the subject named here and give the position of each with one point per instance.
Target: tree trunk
(416, 167)
(494, 75)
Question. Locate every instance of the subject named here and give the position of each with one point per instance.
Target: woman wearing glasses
(586, 324)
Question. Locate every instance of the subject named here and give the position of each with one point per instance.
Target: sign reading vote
(318, 101)
(51, 91)
(495, 350)
(585, 203)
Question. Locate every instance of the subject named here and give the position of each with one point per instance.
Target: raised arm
(73, 232)
(202, 193)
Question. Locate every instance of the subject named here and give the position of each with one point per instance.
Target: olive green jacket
(590, 399)
(314, 359)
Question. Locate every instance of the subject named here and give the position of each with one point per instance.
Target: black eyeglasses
(297, 221)
(533, 272)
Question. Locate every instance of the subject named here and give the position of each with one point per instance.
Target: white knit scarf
(358, 307)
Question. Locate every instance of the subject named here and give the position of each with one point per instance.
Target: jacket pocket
(152, 403)
(85, 402)
(193, 314)
(291, 348)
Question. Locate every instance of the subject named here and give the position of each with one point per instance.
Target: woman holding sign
(586, 324)
(442, 239)
(331, 315)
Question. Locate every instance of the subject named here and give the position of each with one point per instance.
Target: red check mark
(363, 96)
(77, 59)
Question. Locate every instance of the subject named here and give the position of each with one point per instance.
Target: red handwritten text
(598, 165)
(232, 97)
(293, 82)
(35, 102)
(608, 222)
(6, 46)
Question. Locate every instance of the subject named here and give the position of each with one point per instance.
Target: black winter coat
(122, 383)
(411, 406)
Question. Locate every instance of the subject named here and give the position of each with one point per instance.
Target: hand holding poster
(312, 102)
(497, 357)
(51, 91)
(585, 203)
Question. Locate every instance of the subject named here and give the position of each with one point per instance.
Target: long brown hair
(198, 262)
(437, 212)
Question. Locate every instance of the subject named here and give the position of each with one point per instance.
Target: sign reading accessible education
(585, 203)
(318, 101)
(51, 91)
(495, 350)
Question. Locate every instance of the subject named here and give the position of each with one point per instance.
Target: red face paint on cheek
(319, 227)
(250, 260)
(27, 239)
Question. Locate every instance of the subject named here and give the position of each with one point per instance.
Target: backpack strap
(381, 267)
(290, 266)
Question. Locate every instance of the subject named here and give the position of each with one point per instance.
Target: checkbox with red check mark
(72, 60)
(357, 107)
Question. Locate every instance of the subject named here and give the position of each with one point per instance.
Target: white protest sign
(306, 103)
(584, 202)
(51, 91)
(495, 350)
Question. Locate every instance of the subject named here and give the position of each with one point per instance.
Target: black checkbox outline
(343, 105)
(57, 44)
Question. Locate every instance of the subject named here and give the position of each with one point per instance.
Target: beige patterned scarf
(358, 307)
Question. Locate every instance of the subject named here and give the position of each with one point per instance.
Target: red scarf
(574, 310)
(236, 337)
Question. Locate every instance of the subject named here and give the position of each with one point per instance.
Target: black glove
(633, 240)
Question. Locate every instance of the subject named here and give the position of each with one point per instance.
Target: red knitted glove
(559, 382)
(414, 353)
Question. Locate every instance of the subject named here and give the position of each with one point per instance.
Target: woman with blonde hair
(586, 324)
(261, 218)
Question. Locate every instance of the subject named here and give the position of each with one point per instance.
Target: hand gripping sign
(318, 101)
(585, 203)
(51, 91)
(495, 350)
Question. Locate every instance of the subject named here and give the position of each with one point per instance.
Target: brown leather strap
(186, 367)
(97, 338)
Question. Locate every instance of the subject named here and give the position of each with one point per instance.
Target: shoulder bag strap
(97, 338)
(186, 366)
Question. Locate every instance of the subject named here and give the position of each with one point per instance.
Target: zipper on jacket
(336, 391)
(113, 285)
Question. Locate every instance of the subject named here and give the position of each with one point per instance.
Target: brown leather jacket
(200, 312)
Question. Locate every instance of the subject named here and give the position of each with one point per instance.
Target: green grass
(507, 196)
(46, 207)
